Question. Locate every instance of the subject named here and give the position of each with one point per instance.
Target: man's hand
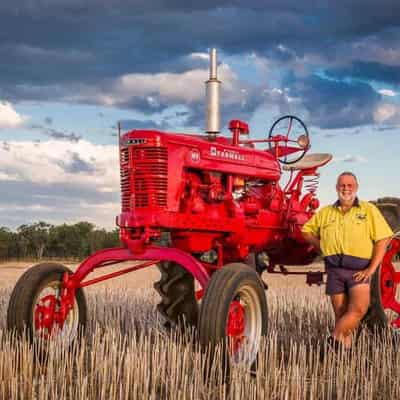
(379, 252)
(310, 238)
(364, 274)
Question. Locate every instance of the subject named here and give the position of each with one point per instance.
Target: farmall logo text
(228, 154)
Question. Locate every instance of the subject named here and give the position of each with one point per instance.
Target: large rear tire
(36, 298)
(178, 299)
(384, 310)
(390, 209)
(234, 314)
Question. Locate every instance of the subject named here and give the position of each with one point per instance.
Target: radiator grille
(144, 177)
(150, 176)
(125, 179)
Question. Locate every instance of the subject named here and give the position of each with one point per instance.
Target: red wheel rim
(235, 326)
(52, 316)
(45, 315)
(389, 281)
(244, 325)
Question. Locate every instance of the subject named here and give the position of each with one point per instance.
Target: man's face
(346, 188)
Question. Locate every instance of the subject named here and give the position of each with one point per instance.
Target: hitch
(314, 278)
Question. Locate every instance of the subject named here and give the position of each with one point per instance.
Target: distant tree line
(43, 240)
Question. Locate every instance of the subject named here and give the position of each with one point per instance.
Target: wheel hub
(236, 325)
(52, 310)
(45, 314)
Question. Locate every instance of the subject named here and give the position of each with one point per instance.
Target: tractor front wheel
(36, 308)
(234, 315)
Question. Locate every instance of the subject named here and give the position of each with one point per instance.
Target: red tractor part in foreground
(203, 208)
(385, 303)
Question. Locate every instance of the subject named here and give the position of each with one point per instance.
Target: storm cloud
(68, 48)
(337, 104)
(145, 61)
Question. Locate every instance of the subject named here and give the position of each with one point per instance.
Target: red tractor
(206, 209)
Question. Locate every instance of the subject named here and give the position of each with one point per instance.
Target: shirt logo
(361, 217)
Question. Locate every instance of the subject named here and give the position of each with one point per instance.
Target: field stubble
(127, 354)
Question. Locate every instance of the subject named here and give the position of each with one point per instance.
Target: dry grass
(126, 354)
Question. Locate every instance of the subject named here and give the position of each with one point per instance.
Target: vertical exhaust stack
(212, 94)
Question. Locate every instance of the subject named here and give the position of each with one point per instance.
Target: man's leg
(340, 304)
(336, 288)
(359, 297)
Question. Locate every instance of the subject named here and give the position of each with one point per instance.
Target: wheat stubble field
(127, 354)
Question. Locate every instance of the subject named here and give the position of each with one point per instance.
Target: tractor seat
(309, 161)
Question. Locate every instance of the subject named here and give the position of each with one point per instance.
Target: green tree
(6, 238)
(41, 239)
(35, 237)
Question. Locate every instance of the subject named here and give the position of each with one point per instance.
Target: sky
(71, 69)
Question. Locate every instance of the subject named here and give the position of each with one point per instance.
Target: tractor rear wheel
(34, 305)
(234, 314)
(390, 209)
(384, 310)
(178, 299)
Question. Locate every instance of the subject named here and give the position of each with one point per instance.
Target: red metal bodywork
(210, 196)
(389, 280)
(220, 198)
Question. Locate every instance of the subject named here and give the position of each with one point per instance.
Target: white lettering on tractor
(224, 153)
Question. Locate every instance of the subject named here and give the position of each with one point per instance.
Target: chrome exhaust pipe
(212, 95)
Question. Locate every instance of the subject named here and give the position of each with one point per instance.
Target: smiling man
(352, 236)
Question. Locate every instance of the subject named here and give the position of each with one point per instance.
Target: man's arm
(381, 235)
(311, 231)
(312, 239)
(379, 252)
(377, 256)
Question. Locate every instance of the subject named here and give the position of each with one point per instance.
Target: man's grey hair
(347, 173)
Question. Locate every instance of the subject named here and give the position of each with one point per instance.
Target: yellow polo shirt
(353, 233)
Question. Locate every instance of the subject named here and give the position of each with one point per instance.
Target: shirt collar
(356, 203)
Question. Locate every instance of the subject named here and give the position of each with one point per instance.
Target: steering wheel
(289, 126)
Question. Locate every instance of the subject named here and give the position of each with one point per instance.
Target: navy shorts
(340, 280)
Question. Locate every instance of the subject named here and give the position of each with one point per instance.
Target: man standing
(352, 236)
